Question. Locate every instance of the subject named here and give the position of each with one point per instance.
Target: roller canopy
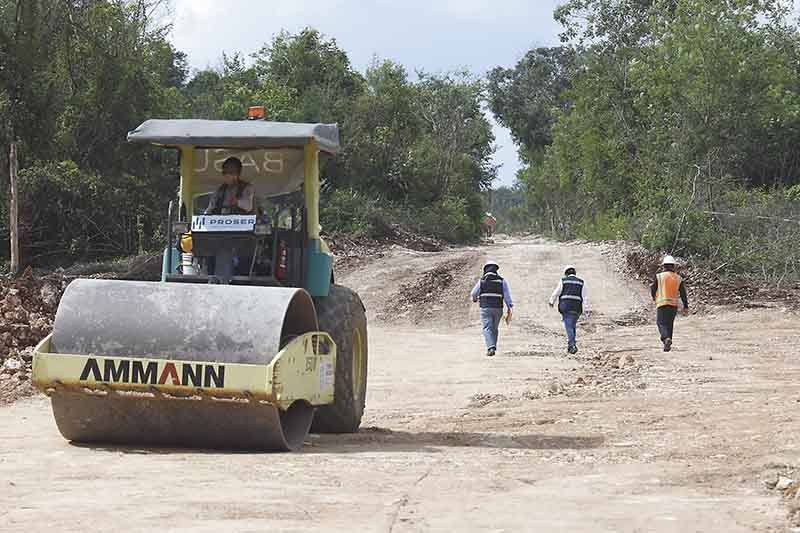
(236, 134)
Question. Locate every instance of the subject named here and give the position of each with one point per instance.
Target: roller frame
(299, 372)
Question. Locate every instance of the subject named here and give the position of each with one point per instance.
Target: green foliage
(530, 114)
(360, 215)
(407, 145)
(604, 226)
(508, 206)
(384, 130)
(677, 110)
(80, 75)
(75, 77)
(349, 211)
(451, 219)
(227, 94)
(760, 234)
(61, 215)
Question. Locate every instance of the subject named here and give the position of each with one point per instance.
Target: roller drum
(204, 323)
(181, 321)
(195, 423)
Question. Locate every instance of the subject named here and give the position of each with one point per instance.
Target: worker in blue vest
(570, 293)
(492, 292)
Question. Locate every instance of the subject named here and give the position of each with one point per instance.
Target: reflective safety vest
(218, 200)
(668, 290)
(571, 299)
(491, 295)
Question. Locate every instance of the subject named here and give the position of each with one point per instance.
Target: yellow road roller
(246, 342)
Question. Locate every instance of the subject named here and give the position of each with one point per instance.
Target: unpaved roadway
(530, 440)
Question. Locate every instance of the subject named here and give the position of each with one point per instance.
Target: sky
(429, 35)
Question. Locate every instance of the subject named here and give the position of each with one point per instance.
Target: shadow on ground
(140, 449)
(376, 439)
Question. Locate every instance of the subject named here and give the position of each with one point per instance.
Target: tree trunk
(13, 213)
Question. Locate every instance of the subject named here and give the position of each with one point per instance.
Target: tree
(673, 108)
(78, 76)
(460, 138)
(316, 70)
(525, 99)
(384, 129)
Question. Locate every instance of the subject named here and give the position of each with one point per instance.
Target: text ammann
(147, 373)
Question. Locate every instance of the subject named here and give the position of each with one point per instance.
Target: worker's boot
(490, 352)
(573, 349)
(667, 344)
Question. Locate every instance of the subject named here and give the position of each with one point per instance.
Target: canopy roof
(235, 134)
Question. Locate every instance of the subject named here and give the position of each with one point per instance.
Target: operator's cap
(668, 260)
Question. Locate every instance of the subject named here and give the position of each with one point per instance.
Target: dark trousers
(665, 318)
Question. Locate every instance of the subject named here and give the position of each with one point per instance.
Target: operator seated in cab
(234, 196)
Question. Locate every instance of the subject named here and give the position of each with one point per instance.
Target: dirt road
(620, 437)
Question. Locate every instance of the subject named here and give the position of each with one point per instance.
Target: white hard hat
(570, 267)
(489, 264)
(668, 260)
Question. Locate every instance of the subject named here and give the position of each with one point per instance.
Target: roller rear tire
(341, 314)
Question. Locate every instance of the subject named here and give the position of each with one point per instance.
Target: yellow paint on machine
(311, 188)
(303, 370)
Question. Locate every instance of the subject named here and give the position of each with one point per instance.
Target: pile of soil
(383, 235)
(427, 294)
(28, 307)
(350, 253)
(390, 233)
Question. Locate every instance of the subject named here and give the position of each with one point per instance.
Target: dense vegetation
(672, 122)
(77, 75)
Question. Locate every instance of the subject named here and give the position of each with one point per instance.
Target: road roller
(246, 342)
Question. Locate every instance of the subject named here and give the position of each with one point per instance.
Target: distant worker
(492, 292)
(489, 223)
(570, 293)
(234, 196)
(667, 287)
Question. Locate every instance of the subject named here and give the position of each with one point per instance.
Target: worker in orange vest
(666, 289)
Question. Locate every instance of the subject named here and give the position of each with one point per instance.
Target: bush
(348, 211)
(447, 220)
(451, 220)
(793, 193)
(689, 233)
(757, 235)
(603, 227)
(68, 214)
(753, 234)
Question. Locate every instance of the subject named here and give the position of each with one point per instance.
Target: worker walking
(665, 290)
(492, 292)
(570, 293)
